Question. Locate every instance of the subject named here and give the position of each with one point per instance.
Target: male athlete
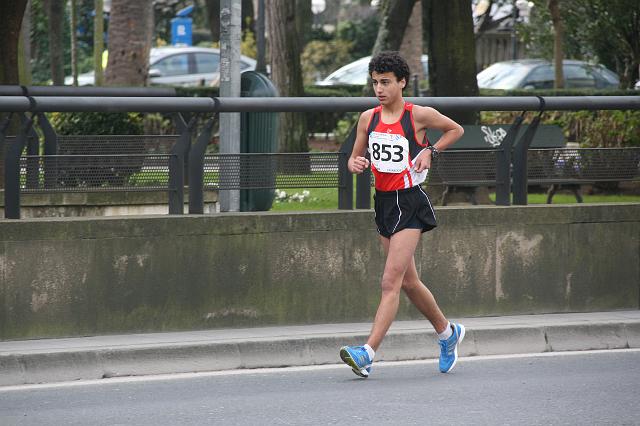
(394, 133)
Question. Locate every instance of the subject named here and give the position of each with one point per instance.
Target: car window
(578, 76)
(173, 65)
(244, 66)
(207, 62)
(609, 76)
(541, 77)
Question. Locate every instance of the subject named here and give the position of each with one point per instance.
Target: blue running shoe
(449, 348)
(357, 358)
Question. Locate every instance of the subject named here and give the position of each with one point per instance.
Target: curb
(66, 364)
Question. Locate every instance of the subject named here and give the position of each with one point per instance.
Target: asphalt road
(559, 388)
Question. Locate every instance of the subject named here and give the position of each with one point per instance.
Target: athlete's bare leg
(401, 248)
(422, 298)
(417, 292)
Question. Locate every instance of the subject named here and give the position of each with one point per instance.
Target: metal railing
(505, 167)
(270, 171)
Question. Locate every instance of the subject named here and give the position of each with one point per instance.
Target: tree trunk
(98, 42)
(12, 13)
(411, 47)
(395, 18)
(55, 12)
(286, 71)
(74, 41)
(129, 43)
(558, 54)
(24, 50)
(448, 33)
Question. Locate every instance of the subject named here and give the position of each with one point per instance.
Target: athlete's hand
(358, 164)
(423, 161)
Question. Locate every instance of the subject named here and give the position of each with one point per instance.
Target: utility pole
(230, 38)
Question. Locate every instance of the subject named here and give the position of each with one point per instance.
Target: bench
(471, 162)
(573, 167)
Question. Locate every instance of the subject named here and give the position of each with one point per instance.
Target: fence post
(12, 171)
(503, 163)
(50, 148)
(345, 180)
(196, 169)
(33, 162)
(520, 159)
(345, 183)
(363, 190)
(176, 164)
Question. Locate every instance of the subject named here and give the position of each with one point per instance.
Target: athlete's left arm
(428, 118)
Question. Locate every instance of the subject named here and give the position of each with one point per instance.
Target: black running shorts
(404, 208)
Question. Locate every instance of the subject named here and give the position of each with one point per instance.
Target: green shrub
(96, 123)
(88, 163)
(198, 91)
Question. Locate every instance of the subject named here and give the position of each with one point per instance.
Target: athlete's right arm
(357, 162)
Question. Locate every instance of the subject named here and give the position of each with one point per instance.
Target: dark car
(539, 74)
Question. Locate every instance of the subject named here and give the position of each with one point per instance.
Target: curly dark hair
(390, 62)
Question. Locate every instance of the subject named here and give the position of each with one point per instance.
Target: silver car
(179, 66)
(539, 74)
(357, 72)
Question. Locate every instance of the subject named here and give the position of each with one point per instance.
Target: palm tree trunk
(448, 31)
(55, 12)
(286, 71)
(129, 43)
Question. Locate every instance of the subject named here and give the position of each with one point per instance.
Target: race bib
(389, 152)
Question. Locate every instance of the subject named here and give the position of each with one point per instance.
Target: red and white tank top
(392, 150)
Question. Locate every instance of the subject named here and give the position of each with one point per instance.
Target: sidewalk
(53, 360)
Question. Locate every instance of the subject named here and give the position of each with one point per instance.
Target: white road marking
(280, 370)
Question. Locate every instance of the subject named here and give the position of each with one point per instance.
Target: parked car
(539, 74)
(357, 72)
(179, 66)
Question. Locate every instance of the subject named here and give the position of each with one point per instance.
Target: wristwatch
(434, 151)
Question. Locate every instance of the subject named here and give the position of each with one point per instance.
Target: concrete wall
(79, 276)
(107, 203)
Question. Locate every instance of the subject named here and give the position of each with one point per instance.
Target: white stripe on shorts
(399, 213)
(428, 201)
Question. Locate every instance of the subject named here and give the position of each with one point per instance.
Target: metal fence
(465, 168)
(583, 165)
(95, 173)
(100, 163)
(272, 170)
